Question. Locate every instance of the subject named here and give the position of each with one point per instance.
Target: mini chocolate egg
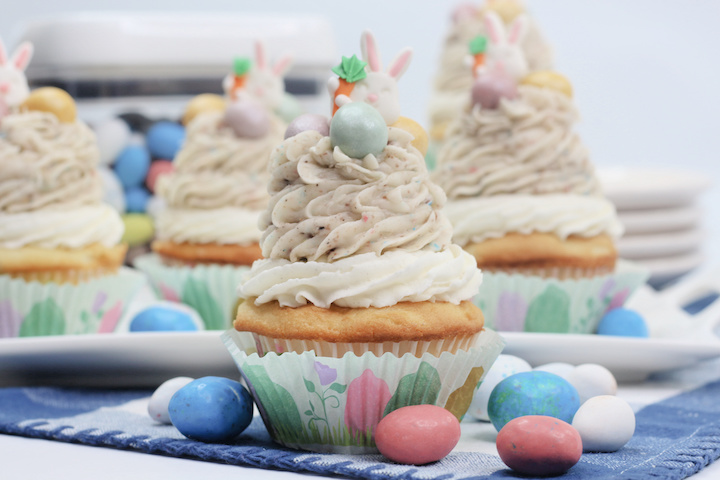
(162, 318)
(158, 404)
(52, 100)
(357, 129)
(560, 369)
(538, 445)
(504, 366)
(420, 140)
(157, 169)
(211, 409)
(489, 89)
(532, 393)
(605, 423)
(623, 322)
(113, 193)
(164, 139)
(136, 199)
(139, 229)
(591, 380)
(308, 121)
(132, 165)
(248, 119)
(112, 137)
(417, 434)
(206, 102)
(549, 79)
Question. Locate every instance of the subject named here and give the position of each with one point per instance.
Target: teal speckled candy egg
(532, 393)
(358, 129)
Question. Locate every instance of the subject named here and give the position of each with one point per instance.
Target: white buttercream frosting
(366, 280)
(50, 229)
(478, 219)
(225, 226)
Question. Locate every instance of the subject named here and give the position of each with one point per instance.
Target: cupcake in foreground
(208, 233)
(362, 303)
(525, 201)
(454, 78)
(59, 244)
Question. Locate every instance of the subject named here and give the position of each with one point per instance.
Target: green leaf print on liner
(549, 312)
(418, 388)
(277, 402)
(196, 294)
(44, 318)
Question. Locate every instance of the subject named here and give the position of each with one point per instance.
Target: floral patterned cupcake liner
(517, 303)
(30, 308)
(208, 288)
(327, 404)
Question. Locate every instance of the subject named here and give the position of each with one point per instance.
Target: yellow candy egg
(52, 100)
(506, 9)
(421, 137)
(206, 102)
(139, 229)
(551, 80)
(437, 132)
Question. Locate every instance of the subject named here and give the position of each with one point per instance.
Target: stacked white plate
(659, 209)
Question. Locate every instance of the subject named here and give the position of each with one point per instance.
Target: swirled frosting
(326, 206)
(366, 280)
(478, 219)
(46, 164)
(74, 228)
(526, 145)
(225, 226)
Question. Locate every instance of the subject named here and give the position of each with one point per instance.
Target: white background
(646, 72)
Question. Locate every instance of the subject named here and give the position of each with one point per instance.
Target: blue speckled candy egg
(211, 409)
(136, 199)
(164, 139)
(622, 322)
(532, 393)
(504, 366)
(132, 165)
(161, 318)
(358, 130)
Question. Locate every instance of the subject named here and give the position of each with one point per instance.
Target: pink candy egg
(417, 434)
(539, 445)
(248, 119)
(157, 168)
(309, 121)
(488, 89)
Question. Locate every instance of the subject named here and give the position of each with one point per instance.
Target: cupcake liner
(559, 273)
(64, 276)
(35, 309)
(328, 404)
(208, 288)
(517, 303)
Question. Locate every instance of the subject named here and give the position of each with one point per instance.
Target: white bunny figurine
(13, 84)
(503, 51)
(263, 83)
(378, 88)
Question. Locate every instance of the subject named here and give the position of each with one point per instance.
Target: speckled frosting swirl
(527, 145)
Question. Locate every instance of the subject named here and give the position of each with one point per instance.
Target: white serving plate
(659, 245)
(660, 220)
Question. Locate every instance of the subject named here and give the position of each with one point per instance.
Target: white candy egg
(605, 423)
(158, 405)
(503, 367)
(112, 136)
(592, 380)
(558, 368)
(113, 193)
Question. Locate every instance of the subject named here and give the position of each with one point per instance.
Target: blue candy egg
(211, 409)
(132, 165)
(164, 139)
(136, 199)
(621, 322)
(532, 393)
(162, 319)
(358, 129)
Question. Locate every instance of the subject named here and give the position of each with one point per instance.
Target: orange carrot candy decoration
(478, 45)
(349, 71)
(241, 66)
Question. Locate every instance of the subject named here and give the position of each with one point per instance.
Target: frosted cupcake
(208, 233)
(361, 295)
(454, 78)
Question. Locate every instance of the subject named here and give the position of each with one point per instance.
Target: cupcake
(454, 78)
(362, 304)
(208, 233)
(59, 245)
(525, 201)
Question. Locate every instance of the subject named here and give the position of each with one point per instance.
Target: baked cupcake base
(195, 253)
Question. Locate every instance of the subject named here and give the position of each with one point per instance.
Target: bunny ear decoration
(518, 28)
(260, 55)
(282, 66)
(23, 54)
(370, 52)
(495, 28)
(400, 63)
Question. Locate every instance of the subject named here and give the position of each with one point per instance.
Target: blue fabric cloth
(674, 438)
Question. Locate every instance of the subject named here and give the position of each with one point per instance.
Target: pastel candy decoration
(539, 446)
(605, 423)
(550, 80)
(112, 136)
(132, 165)
(247, 118)
(357, 129)
(417, 434)
(13, 83)
(162, 319)
(491, 87)
(504, 367)
(308, 121)
(591, 380)
(139, 229)
(561, 369)
(160, 400)
(623, 322)
(206, 102)
(503, 52)
(157, 169)
(51, 100)
(136, 199)
(164, 140)
(367, 397)
(420, 137)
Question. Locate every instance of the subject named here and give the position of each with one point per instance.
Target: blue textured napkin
(674, 438)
